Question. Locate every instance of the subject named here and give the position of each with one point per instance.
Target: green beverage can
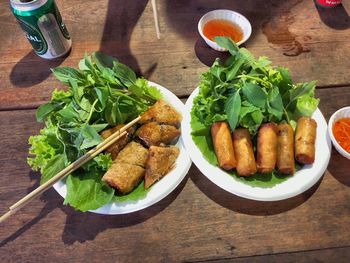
(43, 26)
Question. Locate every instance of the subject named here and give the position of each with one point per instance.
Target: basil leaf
(99, 127)
(91, 137)
(275, 103)
(54, 166)
(286, 81)
(46, 109)
(103, 59)
(90, 66)
(110, 113)
(69, 113)
(227, 43)
(232, 73)
(232, 109)
(102, 95)
(65, 73)
(125, 74)
(254, 94)
(248, 57)
(78, 92)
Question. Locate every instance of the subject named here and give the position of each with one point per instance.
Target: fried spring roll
(285, 149)
(267, 148)
(305, 138)
(222, 140)
(243, 148)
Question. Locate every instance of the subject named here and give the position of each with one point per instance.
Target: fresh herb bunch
(102, 92)
(247, 92)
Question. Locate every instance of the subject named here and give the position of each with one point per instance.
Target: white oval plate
(159, 190)
(296, 184)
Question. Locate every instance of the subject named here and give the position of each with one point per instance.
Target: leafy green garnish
(266, 93)
(101, 93)
(247, 92)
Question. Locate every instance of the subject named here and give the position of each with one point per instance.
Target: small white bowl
(341, 113)
(229, 15)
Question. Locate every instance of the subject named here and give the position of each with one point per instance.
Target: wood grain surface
(312, 42)
(197, 222)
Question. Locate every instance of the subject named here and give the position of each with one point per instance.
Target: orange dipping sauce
(221, 27)
(341, 132)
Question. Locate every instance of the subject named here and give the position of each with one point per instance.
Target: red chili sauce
(341, 132)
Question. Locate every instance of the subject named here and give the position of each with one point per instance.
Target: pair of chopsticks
(155, 16)
(69, 169)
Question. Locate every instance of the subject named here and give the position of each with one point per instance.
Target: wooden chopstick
(155, 16)
(69, 169)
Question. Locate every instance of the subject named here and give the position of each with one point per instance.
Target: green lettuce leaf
(306, 105)
(86, 191)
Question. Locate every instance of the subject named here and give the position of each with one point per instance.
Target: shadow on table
(246, 206)
(32, 70)
(208, 55)
(52, 201)
(122, 16)
(337, 166)
(82, 227)
(86, 226)
(336, 17)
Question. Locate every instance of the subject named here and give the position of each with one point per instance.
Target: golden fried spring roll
(123, 176)
(116, 147)
(222, 140)
(285, 149)
(244, 152)
(267, 148)
(305, 138)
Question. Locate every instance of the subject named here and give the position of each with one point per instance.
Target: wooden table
(198, 221)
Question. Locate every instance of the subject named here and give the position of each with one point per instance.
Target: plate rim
(126, 207)
(199, 160)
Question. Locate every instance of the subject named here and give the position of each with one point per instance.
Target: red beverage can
(328, 3)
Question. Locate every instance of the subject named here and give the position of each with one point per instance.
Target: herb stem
(286, 113)
(91, 111)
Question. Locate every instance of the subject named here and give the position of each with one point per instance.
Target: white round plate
(160, 189)
(296, 184)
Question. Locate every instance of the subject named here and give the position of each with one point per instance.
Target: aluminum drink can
(43, 26)
(328, 3)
